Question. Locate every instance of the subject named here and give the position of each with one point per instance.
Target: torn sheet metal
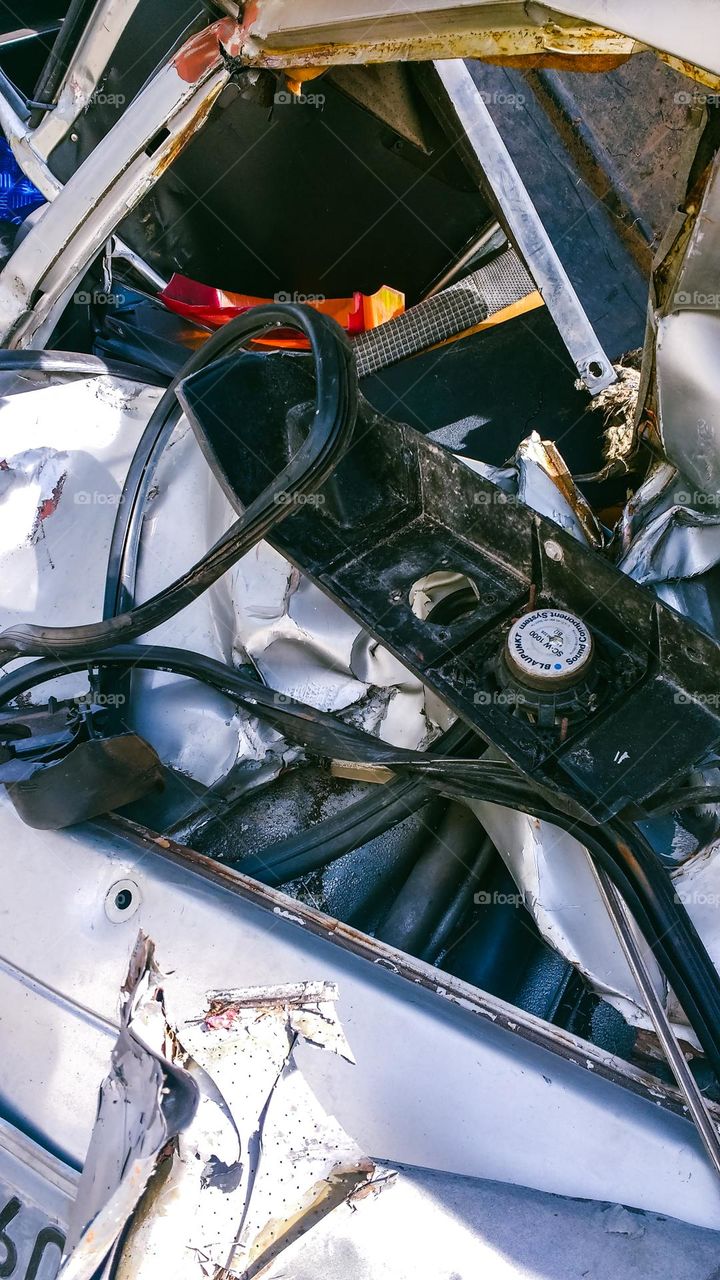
(250, 1168)
(670, 542)
(558, 888)
(538, 475)
(678, 543)
(144, 1102)
(544, 483)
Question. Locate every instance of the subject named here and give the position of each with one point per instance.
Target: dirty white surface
(64, 450)
(431, 1226)
(440, 1081)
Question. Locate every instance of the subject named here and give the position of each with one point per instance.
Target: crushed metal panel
(443, 1037)
(247, 1162)
(144, 1101)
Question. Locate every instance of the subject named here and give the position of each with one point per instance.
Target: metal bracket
(525, 227)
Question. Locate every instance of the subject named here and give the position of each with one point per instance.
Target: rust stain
(559, 45)
(49, 505)
(708, 78)
(541, 45)
(554, 60)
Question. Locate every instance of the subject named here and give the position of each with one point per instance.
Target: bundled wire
(330, 431)
(618, 847)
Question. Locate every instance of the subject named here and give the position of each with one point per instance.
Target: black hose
(433, 881)
(127, 530)
(374, 814)
(455, 910)
(685, 798)
(330, 431)
(324, 843)
(71, 29)
(76, 362)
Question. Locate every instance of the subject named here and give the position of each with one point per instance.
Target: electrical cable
(618, 848)
(75, 362)
(330, 431)
(685, 798)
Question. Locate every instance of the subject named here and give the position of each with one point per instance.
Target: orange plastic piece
(214, 307)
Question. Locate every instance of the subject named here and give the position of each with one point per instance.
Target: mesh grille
(459, 307)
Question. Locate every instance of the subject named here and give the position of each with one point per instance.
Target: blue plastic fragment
(18, 195)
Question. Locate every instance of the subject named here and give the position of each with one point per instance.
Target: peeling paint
(202, 53)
